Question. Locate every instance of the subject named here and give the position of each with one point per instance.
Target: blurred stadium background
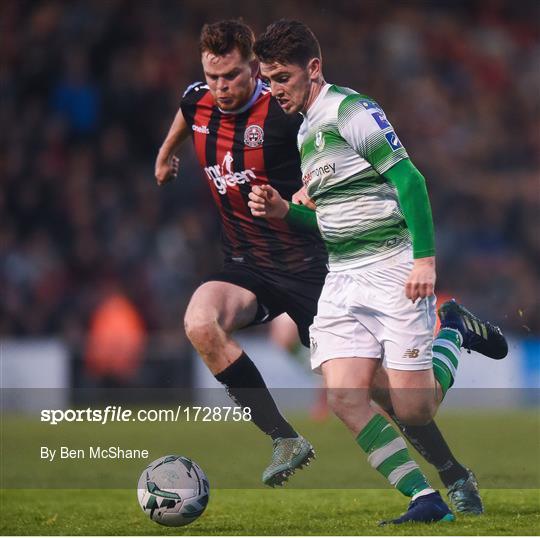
(97, 263)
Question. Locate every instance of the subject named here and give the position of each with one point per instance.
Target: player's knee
(202, 329)
(346, 402)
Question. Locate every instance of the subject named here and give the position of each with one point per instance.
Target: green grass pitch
(256, 512)
(502, 448)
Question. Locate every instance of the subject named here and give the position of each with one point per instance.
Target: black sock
(429, 442)
(247, 388)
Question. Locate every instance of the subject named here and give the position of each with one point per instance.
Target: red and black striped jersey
(253, 146)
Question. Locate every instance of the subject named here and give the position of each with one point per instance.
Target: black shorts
(295, 294)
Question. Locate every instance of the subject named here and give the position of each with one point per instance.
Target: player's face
(291, 84)
(230, 77)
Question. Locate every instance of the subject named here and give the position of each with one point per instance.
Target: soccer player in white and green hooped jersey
(373, 212)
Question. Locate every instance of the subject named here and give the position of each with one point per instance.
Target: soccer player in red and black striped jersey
(242, 138)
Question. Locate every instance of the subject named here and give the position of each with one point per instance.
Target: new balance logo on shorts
(411, 353)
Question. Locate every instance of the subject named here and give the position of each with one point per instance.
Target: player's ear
(314, 68)
(255, 67)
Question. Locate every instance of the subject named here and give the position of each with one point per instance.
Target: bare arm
(167, 163)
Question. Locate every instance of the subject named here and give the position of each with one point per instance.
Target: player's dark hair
(222, 37)
(287, 42)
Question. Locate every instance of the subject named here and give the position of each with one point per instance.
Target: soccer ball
(173, 491)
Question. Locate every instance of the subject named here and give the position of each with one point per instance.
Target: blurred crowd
(89, 88)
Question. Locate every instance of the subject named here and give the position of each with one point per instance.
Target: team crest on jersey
(253, 136)
(319, 141)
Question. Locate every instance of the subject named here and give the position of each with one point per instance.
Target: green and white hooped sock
(446, 351)
(388, 454)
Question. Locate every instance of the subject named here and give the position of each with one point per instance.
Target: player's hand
(421, 281)
(265, 201)
(301, 197)
(166, 168)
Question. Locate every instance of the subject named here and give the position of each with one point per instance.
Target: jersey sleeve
(302, 217)
(188, 103)
(414, 202)
(363, 124)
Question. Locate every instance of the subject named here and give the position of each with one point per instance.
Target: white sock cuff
(426, 491)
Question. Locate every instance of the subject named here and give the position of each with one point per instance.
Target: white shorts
(365, 313)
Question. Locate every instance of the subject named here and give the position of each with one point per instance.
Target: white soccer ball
(173, 491)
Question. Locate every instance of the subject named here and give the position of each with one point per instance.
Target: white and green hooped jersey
(346, 144)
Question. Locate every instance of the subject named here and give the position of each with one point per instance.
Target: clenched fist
(265, 201)
(421, 281)
(166, 168)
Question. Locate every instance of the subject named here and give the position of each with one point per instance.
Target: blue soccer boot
(478, 335)
(425, 509)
